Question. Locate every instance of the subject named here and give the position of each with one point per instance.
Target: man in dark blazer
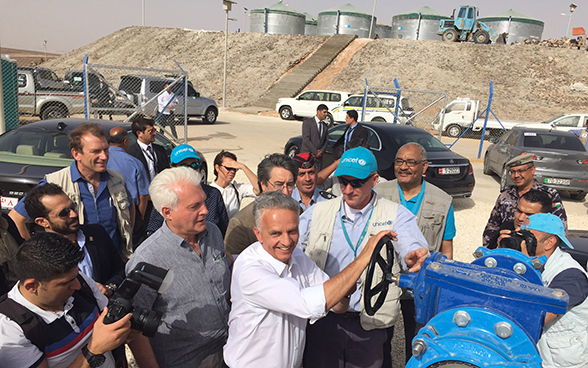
(52, 209)
(355, 135)
(314, 135)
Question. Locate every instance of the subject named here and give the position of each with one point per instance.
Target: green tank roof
(347, 9)
(310, 19)
(515, 17)
(425, 13)
(279, 8)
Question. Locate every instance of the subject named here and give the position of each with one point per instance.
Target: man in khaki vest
(434, 210)
(333, 233)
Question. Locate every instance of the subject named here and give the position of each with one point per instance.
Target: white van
(377, 109)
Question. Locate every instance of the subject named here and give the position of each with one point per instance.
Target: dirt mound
(531, 82)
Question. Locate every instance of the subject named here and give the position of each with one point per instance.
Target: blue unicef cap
(182, 152)
(550, 224)
(357, 162)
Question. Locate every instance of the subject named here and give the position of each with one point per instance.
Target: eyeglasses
(409, 163)
(230, 168)
(193, 165)
(150, 131)
(520, 171)
(282, 185)
(355, 183)
(64, 213)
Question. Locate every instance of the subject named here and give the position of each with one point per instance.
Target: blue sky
(69, 24)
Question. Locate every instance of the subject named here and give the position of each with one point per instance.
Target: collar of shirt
(48, 317)
(413, 204)
(350, 214)
(176, 239)
(143, 145)
(75, 174)
(116, 149)
(313, 200)
(351, 127)
(279, 266)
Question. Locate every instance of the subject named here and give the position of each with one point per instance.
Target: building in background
(519, 26)
(346, 19)
(278, 18)
(418, 24)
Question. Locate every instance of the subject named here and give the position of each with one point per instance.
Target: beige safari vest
(432, 214)
(319, 243)
(118, 193)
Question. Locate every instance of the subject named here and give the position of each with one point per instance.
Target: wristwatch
(95, 360)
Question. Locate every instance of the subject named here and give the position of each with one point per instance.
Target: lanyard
(354, 249)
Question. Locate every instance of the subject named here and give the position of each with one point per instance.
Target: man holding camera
(54, 316)
(564, 342)
(522, 171)
(196, 306)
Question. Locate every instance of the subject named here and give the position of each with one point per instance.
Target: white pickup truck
(461, 112)
(42, 93)
(565, 123)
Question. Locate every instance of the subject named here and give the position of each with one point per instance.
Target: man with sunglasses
(276, 173)
(434, 210)
(51, 208)
(186, 156)
(332, 233)
(522, 170)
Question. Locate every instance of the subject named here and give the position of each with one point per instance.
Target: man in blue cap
(332, 233)
(564, 342)
(186, 156)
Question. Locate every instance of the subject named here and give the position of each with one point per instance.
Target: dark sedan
(560, 158)
(31, 151)
(447, 170)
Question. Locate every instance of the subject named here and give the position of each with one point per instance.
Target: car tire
(504, 178)
(481, 37)
(453, 130)
(450, 35)
(286, 113)
(210, 115)
(329, 120)
(378, 120)
(578, 196)
(54, 112)
(486, 169)
(292, 151)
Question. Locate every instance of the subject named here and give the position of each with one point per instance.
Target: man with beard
(306, 192)
(52, 209)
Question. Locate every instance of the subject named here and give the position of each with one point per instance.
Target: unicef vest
(319, 243)
(432, 214)
(118, 193)
(564, 342)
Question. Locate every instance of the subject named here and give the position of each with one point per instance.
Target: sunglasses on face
(229, 168)
(194, 165)
(64, 213)
(355, 183)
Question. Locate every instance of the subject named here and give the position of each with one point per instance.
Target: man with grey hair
(276, 289)
(276, 172)
(196, 307)
(434, 210)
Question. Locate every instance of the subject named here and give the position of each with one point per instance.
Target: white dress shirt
(163, 100)
(151, 159)
(271, 303)
(232, 202)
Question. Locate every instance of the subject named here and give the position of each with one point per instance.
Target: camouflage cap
(524, 159)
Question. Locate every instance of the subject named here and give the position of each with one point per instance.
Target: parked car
(560, 159)
(31, 151)
(304, 105)
(380, 108)
(447, 170)
(579, 239)
(140, 89)
(564, 123)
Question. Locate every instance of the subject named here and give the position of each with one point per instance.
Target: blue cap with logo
(182, 152)
(357, 162)
(550, 224)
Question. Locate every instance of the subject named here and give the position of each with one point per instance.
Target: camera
(516, 238)
(121, 303)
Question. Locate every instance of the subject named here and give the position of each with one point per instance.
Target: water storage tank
(310, 27)
(519, 26)
(277, 19)
(419, 24)
(383, 30)
(346, 19)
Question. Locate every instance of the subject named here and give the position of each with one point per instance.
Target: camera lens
(513, 243)
(146, 321)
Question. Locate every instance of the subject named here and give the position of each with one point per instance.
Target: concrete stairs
(303, 74)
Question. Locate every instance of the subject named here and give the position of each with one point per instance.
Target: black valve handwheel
(381, 288)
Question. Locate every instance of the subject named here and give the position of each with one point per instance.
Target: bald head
(118, 137)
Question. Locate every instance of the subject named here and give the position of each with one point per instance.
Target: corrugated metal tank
(419, 24)
(310, 27)
(383, 30)
(277, 19)
(519, 26)
(346, 19)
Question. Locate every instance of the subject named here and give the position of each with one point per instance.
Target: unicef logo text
(382, 223)
(354, 160)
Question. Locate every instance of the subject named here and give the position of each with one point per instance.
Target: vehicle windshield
(35, 147)
(552, 141)
(552, 120)
(426, 140)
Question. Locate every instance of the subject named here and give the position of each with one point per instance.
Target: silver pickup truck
(42, 93)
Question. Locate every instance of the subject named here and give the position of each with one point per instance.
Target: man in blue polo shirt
(99, 193)
(434, 211)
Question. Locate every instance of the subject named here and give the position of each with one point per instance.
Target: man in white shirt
(276, 288)
(225, 169)
(167, 104)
